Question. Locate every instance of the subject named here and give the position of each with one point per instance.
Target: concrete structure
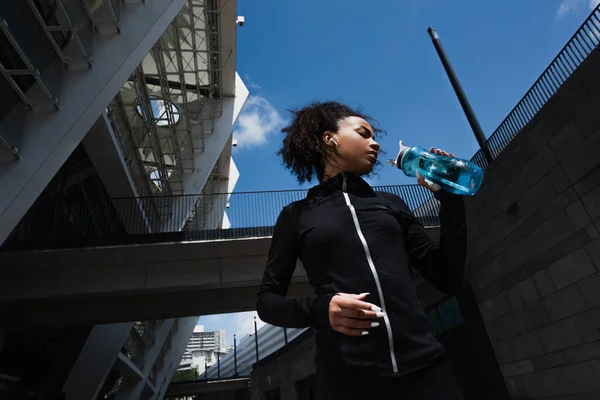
(152, 281)
(534, 226)
(534, 246)
(100, 101)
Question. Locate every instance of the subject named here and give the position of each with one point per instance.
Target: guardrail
(53, 222)
(577, 49)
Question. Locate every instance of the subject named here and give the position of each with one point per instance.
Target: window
(161, 109)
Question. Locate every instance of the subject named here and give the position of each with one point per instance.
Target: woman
(372, 336)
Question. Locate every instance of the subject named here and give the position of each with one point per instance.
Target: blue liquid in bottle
(454, 175)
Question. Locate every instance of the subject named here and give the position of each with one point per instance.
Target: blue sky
(380, 57)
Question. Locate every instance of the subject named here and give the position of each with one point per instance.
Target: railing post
(235, 372)
(256, 339)
(462, 97)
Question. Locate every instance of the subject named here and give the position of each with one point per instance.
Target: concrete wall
(534, 247)
(284, 371)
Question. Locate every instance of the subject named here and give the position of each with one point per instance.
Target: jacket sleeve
(272, 304)
(442, 264)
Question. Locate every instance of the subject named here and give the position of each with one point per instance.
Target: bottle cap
(401, 153)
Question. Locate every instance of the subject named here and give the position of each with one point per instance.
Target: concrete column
(179, 342)
(95, 361)
(108, 160)
(131, 389)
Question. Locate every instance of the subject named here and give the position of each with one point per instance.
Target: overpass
(107, 274)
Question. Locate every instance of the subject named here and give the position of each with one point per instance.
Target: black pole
(256, 339)
(285, 335)
(206, 371)
(462, 97)
(218, 365)
(234, 355)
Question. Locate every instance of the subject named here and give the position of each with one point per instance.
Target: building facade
(204, 349)
(116, 121)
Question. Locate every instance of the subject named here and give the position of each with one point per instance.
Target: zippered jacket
(351, 239)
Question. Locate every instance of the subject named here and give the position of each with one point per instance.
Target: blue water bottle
(452, 174)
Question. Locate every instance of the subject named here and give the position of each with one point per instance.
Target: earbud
(333, 140)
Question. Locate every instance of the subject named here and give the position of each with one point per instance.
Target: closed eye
(364, 132)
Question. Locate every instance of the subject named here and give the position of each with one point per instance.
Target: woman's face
(356, 149)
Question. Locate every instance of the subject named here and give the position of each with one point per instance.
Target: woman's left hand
(430, 185)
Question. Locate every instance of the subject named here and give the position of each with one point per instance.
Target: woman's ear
(329, 140)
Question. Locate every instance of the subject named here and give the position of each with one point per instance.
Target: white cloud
(568, 6)
(250, 83)
(244, 323)
(258, 120)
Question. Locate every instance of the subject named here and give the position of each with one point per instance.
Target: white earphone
(333, 140)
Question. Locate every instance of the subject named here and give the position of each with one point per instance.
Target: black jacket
(324, 232)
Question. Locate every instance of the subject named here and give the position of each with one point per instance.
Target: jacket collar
(344, 182)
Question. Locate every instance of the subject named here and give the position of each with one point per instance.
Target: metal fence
(60, 223)
(577, 49)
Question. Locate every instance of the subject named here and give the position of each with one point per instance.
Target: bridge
(124, 260)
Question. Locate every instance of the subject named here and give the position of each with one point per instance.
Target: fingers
(350, 315)
(354, 296)
(441, 152)
(353, 327)
(357, 305)
(351, 332)
(426, 184)
(357, 323)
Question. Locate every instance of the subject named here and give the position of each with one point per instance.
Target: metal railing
(159, 219)
(572, 55)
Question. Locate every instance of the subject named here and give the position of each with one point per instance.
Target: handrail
(54, 222)
(585, 40)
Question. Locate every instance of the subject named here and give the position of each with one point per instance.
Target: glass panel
(450, 314)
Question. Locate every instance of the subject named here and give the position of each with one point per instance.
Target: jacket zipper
(386, 319)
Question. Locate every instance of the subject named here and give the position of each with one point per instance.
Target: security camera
(240, 20)
(234, 143)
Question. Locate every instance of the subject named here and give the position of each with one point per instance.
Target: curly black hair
(303, 150)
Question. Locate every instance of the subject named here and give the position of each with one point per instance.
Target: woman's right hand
(350, 315)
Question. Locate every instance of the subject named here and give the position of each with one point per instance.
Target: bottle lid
(401, 153)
